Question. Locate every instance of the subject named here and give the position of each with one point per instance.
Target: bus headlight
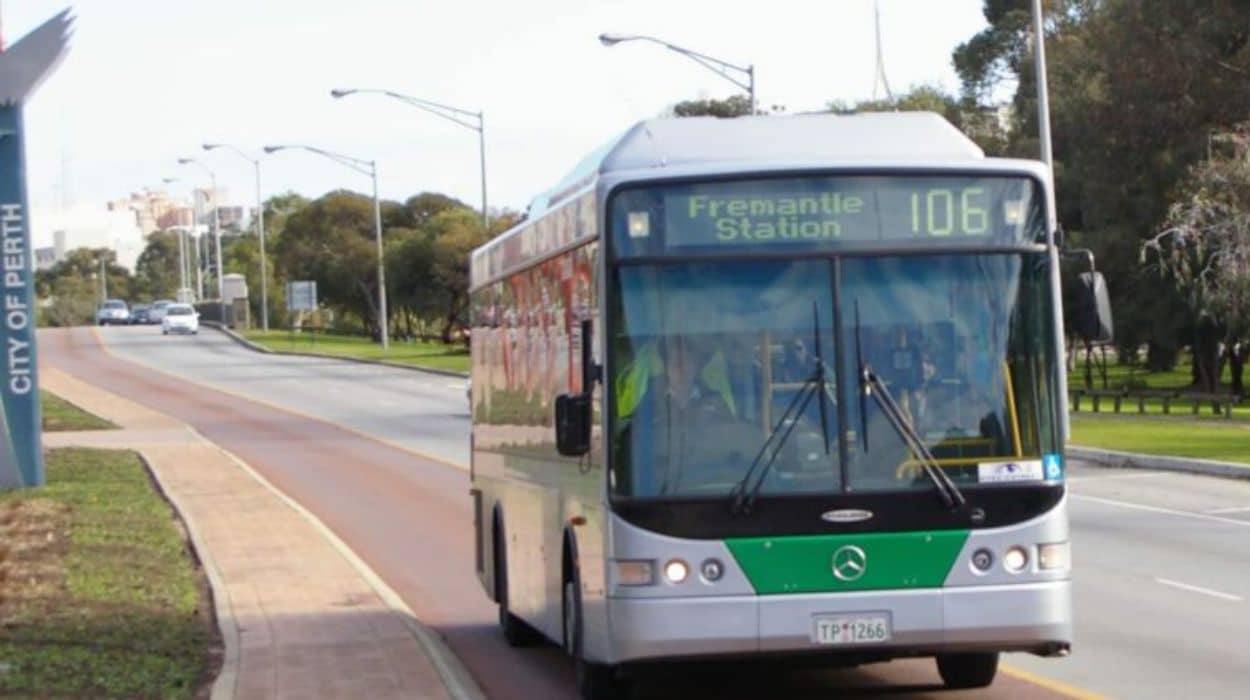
(1016, 559)
(634, 572)
(676, 571)
(1054, 555)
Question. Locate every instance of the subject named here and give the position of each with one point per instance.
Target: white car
(113, 311)
(156, 313)
(180, 318)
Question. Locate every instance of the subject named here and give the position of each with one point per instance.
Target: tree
(242, 255)
(454, 233)
(331, 240)
(73, 287)
(157, 273)
(1136, 87)
(735, 106)
(423, 207)
(1205, 250)
(979, 123)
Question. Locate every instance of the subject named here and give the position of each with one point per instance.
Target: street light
(260, 213)
(182, 246)
(717, 66)
(369, 168)
(453, 114)
(221, 268)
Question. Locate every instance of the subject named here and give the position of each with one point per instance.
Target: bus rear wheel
(515, 630)
(968, 670)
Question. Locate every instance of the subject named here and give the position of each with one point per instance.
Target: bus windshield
(708, 355)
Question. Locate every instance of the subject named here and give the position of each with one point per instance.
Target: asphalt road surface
(1162, 560)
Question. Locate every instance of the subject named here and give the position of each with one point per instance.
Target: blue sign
(22, 67)
(1053, 464)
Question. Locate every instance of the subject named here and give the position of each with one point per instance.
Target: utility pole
(1043, 93)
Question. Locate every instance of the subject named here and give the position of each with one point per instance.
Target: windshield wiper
(871, 385)
(743, 498)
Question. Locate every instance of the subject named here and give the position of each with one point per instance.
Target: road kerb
(225, 685)
(327, 356)
(1134, 460)
(456, 678)
(441, 461)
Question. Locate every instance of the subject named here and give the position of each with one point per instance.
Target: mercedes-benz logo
(849, 563)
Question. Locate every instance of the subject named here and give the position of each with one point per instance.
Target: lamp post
(722, 68)
(368, 168)
(463, 117)
(260, 225)
(182, 245)
(221, 268)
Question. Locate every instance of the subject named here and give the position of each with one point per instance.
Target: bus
(784, 386)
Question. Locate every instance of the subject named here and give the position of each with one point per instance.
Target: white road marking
(1199, 589)
(1223, 511)
(461, 386)
(1136, 475)
(1156, 509)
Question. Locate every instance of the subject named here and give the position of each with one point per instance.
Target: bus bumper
(1019, 617)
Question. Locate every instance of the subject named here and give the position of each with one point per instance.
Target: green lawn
(1218, 439)
(99, 595)
(435, 355)
(1118, 376)
(59, 414)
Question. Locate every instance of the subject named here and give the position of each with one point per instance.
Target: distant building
(48, 256)
(87, 226)
(230, 216)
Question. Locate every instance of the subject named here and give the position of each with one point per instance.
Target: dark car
(139, 314)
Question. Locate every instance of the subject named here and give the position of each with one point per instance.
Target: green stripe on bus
(805, 564)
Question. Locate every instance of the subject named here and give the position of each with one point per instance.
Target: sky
(147, 81)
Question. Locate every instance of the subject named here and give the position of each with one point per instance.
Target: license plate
(859, 628)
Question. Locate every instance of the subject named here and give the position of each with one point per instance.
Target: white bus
(783, 386)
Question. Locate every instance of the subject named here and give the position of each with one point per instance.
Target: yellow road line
(1060, 687)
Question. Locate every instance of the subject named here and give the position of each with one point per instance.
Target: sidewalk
(300, 615)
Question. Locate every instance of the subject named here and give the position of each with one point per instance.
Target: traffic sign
(301, 295)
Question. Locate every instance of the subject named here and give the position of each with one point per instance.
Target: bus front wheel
(594, 681)
(968, 670)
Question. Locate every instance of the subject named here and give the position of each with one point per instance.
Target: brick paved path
(300, 617)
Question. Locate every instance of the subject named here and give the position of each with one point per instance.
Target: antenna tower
(879, 78)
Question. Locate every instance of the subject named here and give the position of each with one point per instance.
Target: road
(1161, 588)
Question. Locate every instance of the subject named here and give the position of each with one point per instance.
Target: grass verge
(421, 354)
(99, 593)
(59, 414)
(1218, 439)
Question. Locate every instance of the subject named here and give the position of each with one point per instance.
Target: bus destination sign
(861, 209)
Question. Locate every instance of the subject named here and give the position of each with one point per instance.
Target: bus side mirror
(1093, 309)
(573, 417)
(574, 412)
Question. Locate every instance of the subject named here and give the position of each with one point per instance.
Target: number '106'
(941, 212)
